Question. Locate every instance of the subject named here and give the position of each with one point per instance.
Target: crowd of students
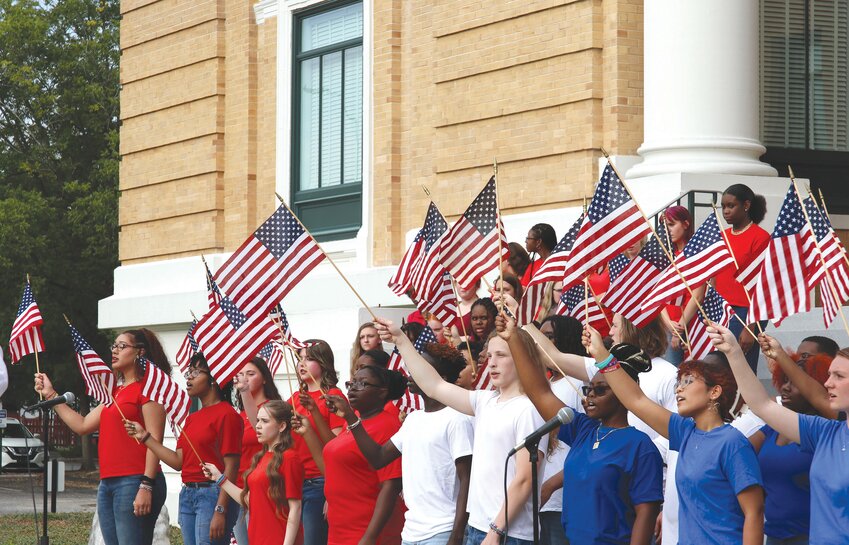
(661, 449)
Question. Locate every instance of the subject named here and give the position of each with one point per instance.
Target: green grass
(64, 529)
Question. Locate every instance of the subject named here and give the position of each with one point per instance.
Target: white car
(19, 444)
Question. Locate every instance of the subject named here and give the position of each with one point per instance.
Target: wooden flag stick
(37, 366)
(189, 441)
(587, 300)
(828, 280)
(592, 292)
(498, 226)
(356, 293)
(463, 326)
(669, 256)
(730, 251)
(825, 212)
(669, 239)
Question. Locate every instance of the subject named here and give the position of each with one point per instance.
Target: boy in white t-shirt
(436, 444)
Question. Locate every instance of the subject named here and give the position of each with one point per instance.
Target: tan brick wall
(541, 86)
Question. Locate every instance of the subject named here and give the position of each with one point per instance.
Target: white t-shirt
(430, 443)
(553, 464)
(499, 426)
(747, 424)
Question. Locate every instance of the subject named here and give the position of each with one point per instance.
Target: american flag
(578, 302)
(279, 317)
(832, 253)
(213, 294)
(552, 270)
(476, 243)
(26, 335)
(98, 377)
(612, 224)
(704, 255)
(616, 266)
(434, 226)
(718, 311)
(482, 380)
(188, 348)
(626, 294)
(269, 264)
(410, 402)
(427, 271)
(443, 305)
(159, 387)
(780, 288)
(273, 355)
(229, 339)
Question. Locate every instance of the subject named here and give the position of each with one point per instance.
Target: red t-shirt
(351, 485)
(267, 520)
(120, 455)
(311, 470)
(746, 247)
(215, 432)
(676, 311)
(250, 445)
(533, 267)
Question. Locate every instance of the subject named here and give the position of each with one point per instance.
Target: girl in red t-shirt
(273, 482)
(212, 434)
(540, 242)
(129, 473)
(256, 387)
(679, 224)
(317, 374)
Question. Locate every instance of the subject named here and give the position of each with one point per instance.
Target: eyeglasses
(599, 390)
(192, 373)
(121, 346)
(357, 385)
(531, 238)
(686, 380)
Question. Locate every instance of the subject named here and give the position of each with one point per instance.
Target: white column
(701, 89)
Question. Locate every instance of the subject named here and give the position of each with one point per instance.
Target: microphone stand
(45, 413)
(533, 455)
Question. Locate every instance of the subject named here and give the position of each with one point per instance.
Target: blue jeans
(736, 327)
(551, 529)
(240, 529)
(436, 539)
(118, 524)
(312, 512)
(197, 505)
(795, 540)
(475, 537)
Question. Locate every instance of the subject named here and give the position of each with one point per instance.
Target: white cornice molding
(265, 9)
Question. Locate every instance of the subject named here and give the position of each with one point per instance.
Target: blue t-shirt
(788, 489)
(603, 485)
(828, 440)
(713, 467)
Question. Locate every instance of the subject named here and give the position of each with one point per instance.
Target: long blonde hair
(280, 412)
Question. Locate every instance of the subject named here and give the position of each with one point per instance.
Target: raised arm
(532, 378)
(781, 419)
(322, 428)
(571, 364)
(79, 424)
(170, 457)
(301, 425)
(425, 375)
(227, 486)
(627, 391)
(814, 392)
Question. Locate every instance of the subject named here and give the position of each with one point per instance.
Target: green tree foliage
(59, 119)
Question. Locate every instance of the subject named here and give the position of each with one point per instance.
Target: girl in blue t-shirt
(613, 472)
(825, 439)
(785, 466)
(718, 478)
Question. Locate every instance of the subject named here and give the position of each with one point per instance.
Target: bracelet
(147, 487)
(221, 478)
(605, 362)
(497, 530)
(355, 424)
(611, 367)
(145, 438)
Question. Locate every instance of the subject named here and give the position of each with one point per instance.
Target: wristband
(611, 367)
(355, 424)
(497, 530)
(605, 362)
(54, 396)
(221, 478)
(147, 480)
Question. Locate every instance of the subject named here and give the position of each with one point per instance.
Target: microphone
(563, 416)
(67, 397)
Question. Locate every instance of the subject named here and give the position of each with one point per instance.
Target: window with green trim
(327, 127)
